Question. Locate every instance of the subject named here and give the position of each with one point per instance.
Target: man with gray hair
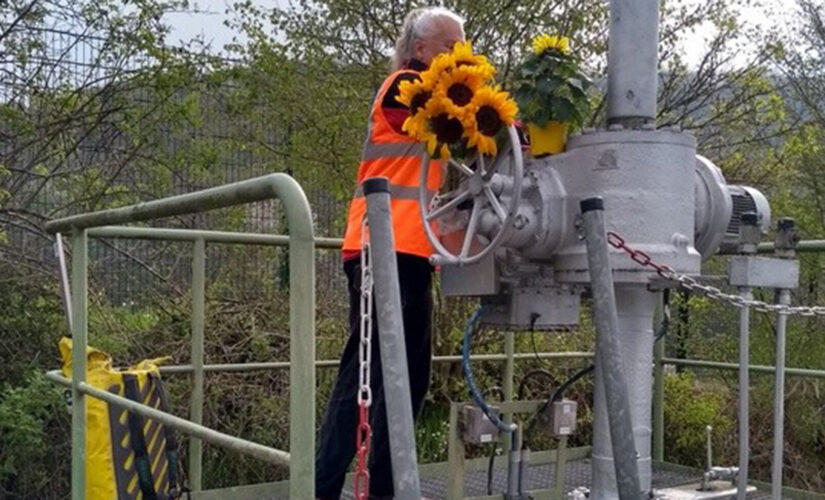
(388, 152)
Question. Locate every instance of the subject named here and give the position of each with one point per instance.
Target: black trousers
(337, 443)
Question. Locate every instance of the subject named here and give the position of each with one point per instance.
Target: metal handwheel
(492, 187)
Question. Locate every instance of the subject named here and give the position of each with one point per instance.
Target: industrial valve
(493, 187)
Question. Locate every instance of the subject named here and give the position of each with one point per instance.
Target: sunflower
(491, 110)
(414, 94)
(417, 126)
(444, 127)
(543, 43)
(463, 56)
(442, 63)
(459, 87)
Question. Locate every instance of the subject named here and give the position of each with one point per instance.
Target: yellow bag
(118, 466)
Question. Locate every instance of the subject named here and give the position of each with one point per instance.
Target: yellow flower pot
(549, 139)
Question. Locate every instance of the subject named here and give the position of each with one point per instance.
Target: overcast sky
(210, 24)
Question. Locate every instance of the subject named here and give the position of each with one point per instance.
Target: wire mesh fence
(116, 145)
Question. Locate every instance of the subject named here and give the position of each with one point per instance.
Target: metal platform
(541, 477)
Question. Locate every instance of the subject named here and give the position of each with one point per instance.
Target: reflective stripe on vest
(388, 153)
(374, 151)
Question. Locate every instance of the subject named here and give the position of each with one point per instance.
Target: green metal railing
(302, 362)
(301, 243)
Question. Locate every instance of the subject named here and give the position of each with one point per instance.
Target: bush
(34, 456)
(690, 406)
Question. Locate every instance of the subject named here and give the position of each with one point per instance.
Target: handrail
(230, 237)
(331, 363)
(804, 246)
(718, 365)
(301, 243)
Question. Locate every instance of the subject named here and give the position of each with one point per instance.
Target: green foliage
(551, 87)
(690, 406)
(32, 416)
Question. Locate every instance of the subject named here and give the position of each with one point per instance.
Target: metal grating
(542, 477)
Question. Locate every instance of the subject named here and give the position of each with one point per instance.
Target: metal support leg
(80, 250)
(509, 374)
(196, 408)
(391, 338)
(455, 457)
(744, 395)
(659, 386)
(611, 387)
(513, 465)
(779, 399)
(561, 469)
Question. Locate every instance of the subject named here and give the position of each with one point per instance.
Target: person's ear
(418, 49)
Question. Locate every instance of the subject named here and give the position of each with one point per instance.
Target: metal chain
(712, 292)
(364, 432)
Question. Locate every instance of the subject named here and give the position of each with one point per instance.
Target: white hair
(419, 25)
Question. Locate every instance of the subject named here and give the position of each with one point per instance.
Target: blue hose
(468, 374)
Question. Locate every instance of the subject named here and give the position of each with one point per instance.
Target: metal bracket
(763, 272)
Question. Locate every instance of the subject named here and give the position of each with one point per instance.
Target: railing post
(509, 375)
(659, 385)
(455, 457)
(301, 340)
(80, 262)
(196, 409)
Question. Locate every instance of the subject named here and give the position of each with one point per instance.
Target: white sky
(209, 24)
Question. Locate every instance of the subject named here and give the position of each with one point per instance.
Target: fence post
(80, 262)
(196, 409)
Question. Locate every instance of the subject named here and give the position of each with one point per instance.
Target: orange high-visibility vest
(387, 153)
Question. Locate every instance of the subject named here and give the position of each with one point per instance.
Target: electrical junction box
(563, 418)
(476, 428)
(540, 308)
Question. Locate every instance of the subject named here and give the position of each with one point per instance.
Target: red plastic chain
(362, 446)
(639, 256)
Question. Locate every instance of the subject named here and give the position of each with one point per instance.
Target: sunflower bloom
(459, 87)
(444, 125)
(414, 94)
(491, 110)
(442, 63)
(463, 56)
(543, 43)
(417, 126)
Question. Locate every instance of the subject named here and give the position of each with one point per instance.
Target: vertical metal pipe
(509, 375)
(709, 447)
(524, 469)
(611, 386)
(561, 468)
(513, 465)
(394, 369)
(80, 262)
(455, 457)
(198, 314)
(659, 385)
(301, 336)
(632, 62)
(744, 395)
(779, 399)
(64, 279)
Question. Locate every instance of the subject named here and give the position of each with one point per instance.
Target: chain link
(689, 283)
(364, 432)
